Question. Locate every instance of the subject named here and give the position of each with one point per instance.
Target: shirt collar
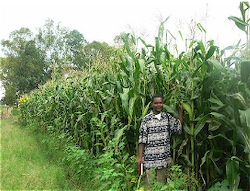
(153, 115)
(163, 114)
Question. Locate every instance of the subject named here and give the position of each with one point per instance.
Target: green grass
(25, 164)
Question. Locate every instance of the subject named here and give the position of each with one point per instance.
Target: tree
(10, 97)
(51, 40)
(24, 67)
(16, 43)
(99, 51)
(75, 43)
(62, 48)
(31, 69)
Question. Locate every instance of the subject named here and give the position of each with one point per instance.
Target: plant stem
(192, 135)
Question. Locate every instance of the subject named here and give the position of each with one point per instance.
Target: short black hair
(156, 96)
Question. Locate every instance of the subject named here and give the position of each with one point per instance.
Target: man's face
(157, 105)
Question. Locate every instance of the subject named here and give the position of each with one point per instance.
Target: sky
(102, 20)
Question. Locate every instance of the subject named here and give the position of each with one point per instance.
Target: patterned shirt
(155, 134)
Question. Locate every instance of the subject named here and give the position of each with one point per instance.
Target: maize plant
(101, 111)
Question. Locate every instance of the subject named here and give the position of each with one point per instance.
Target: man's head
(157, 103)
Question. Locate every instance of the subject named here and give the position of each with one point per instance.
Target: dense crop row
(101, 111)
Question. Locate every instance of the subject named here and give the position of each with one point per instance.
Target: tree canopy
(30, 59)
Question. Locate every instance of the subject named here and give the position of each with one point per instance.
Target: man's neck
(156, 113)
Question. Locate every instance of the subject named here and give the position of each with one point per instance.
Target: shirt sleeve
(143, 137)
(175, 125)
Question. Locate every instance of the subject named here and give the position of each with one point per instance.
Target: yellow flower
(23, 99)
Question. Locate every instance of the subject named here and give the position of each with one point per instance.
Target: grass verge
(25, 164)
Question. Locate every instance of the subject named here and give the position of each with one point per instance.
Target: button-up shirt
(155, 134)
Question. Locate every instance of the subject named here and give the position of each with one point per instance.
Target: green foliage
(81, 164)
(176, 180)
(243, 22)
(96, 49)
(100, 111)
(51, 39)
(245, 72)
(23, 69)
(10, 95)
(232, 170)
(218, 186)
(75, 43)
(32, 59)
(115, 168)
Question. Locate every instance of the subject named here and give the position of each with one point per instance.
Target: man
(154, 140)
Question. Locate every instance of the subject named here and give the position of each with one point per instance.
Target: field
(82, 123)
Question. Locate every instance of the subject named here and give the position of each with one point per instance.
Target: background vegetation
(97, 110)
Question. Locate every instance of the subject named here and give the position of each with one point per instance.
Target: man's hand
(140, 158)
(139, 166)
(180, 112)
(139, 161)
(180, 106)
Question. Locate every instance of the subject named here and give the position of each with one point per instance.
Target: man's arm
(141, 149)
(142, 141)
(140, 160)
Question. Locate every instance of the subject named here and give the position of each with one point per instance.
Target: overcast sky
(101, 20)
